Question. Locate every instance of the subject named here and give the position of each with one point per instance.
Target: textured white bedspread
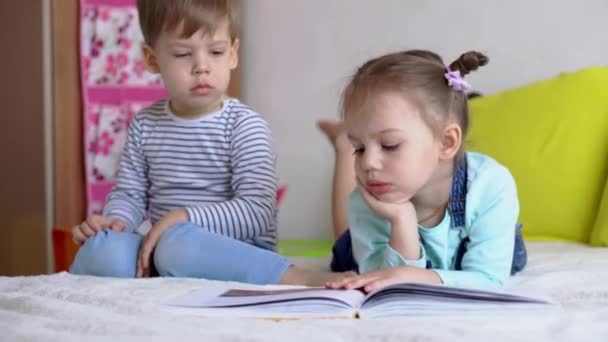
(65, 307)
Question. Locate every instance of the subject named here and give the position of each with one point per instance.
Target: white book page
(273, 311)
(438, 300)
(459, 309)
(441, 293)
(206, 298)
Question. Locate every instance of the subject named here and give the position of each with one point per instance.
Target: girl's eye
(391, 147)
(217, 52)
(181, 55)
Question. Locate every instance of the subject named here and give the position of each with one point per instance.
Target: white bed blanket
(64, 307)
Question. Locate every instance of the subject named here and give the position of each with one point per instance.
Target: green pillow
(304, 248)
(553, 137)
(599, 234)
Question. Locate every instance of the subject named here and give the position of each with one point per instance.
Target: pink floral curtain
(115, 86)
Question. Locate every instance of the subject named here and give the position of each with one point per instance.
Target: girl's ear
(150, 59)
(451, 139)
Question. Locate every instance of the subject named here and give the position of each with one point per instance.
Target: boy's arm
(128, 200)
(251, 212)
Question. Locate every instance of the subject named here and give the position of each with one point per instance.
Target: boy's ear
(150, 59)
(451, 140)
(234, 54)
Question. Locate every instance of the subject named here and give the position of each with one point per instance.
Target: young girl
(423, 210)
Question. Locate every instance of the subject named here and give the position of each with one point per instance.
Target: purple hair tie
(455, 81)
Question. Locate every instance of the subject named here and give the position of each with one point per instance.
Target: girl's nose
(370, 160)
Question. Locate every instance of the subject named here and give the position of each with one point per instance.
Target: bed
(66, 307)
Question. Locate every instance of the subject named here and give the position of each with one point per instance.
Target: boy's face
(195, 70)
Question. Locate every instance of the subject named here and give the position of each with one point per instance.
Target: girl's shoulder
(488, 184)
(483, 169)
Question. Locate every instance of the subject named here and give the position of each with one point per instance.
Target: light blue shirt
(492, 209)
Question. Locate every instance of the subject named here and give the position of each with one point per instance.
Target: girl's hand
(403, 212)
(375, 280)
(172, 218)
(405, 239)
(92, 225)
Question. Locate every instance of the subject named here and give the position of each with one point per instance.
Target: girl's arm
(371, 239)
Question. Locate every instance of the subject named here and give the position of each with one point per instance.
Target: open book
(397, 300)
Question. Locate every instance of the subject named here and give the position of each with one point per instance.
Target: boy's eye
(391, 147)
(217, 52)
(181, 55)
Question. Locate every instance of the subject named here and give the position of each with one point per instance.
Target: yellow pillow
(599, 234)
(553, 137)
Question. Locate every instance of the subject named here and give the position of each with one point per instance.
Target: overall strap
(457, 203)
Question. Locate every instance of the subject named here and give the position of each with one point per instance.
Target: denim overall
(343, 259)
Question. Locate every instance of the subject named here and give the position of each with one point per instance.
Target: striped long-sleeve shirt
(220, 168)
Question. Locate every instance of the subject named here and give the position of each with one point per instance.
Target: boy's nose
(201, 66)
(198, 69)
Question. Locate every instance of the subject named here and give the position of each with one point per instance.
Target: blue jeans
(185, 250)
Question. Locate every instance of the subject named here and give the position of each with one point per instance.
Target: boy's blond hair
(157, 16)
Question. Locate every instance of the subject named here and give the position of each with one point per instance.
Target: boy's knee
(176, 250)
(108, 254)
(170, 250)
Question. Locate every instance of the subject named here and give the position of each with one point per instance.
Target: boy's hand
(172, 218)
(92, 225)
(375, 280)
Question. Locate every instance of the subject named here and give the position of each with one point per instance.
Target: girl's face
(396, 153)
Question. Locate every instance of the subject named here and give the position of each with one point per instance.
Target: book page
(318, 309)
(444, 293)
(289, 297)
(422, 299)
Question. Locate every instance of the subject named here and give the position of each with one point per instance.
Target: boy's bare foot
(297, 276)
(335, 133)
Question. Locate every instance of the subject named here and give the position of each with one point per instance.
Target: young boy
(199, 162)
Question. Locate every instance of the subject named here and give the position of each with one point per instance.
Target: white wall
(297, 55)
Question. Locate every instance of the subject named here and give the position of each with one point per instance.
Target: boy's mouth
(201, 89)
